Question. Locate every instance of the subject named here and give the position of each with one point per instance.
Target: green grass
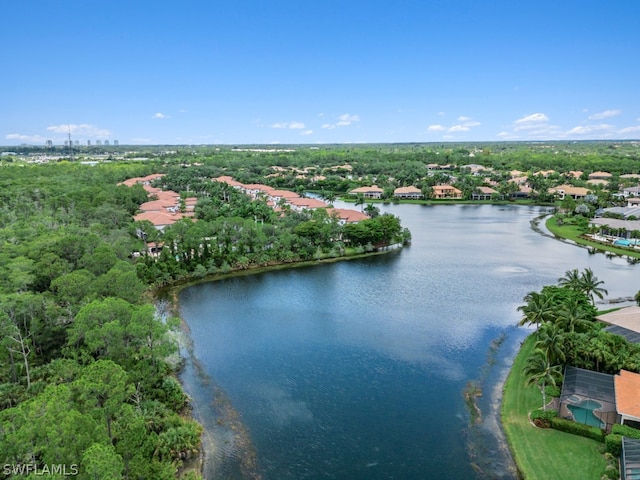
(573, 232)
(543, 454)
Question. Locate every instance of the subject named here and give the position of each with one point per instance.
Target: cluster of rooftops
(165, 207)
(617, 396)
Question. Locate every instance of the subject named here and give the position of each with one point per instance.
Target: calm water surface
(355, 370)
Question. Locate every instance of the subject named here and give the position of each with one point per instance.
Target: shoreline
(227, 422)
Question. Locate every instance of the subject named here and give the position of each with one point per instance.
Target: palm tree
(590, 286)
(360, 201)
(371, 210)
(571, 280)
(330, 197)
(537, 310)
(572, 317)
(551, 340)
(539, 371)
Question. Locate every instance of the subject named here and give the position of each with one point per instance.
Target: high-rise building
(77, 143)
(88, 143)
(98, 142)
(116, 143)
(49, 144)
(67, 143)
(106, 142)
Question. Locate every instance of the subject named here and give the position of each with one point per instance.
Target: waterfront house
(345, 215)
(410, 192)
(627, 389)
(483, 193)
(446, 192)
(563, 191)
(368, 192)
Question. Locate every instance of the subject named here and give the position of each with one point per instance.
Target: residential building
(446, 192)
(410, 192)
(368, 192)
(483, 193)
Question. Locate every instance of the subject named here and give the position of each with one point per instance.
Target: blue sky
(330, 71)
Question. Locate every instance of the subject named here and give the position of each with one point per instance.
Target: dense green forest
(85, 365)
(88, 370)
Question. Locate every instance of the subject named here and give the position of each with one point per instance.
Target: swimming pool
(583, 413)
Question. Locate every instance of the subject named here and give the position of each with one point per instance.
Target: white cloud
(346, 119)
(292, 125)
(442, 114)
(631, 129)
(605, 114)
(160, 116)
(589, 129)
(25, 138)
(533, 118)
(458, 128)
(82, 129)
(465, 126)
(306, 132)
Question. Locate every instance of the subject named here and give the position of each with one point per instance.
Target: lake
(356, 369)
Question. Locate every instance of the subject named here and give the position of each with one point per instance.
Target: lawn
(573, 232)
(543, 454)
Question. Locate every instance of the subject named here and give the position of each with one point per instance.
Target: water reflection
(355, 369)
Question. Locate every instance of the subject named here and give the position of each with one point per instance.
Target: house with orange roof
(160, 206)
(562, 191)
(627, 387)
(228, 180)
(346, 215)
(409, 192)
(142, 180)
(600, 176)
(300, 203)
(483, 193)
(160, 220)
(368, 192)
(446, 191)
(277, 195)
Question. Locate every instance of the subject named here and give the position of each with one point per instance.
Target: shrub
(575, 428)
(552, 391)
(613, 444)
(611, 471)
(626, 431)
(542, 418)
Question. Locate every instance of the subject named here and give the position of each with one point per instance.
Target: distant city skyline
(284, 72)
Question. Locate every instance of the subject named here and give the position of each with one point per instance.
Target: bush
(626, 431)
(552, 391)
(613, 444)
(575, 428)
(611, 471)
(542, 418)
